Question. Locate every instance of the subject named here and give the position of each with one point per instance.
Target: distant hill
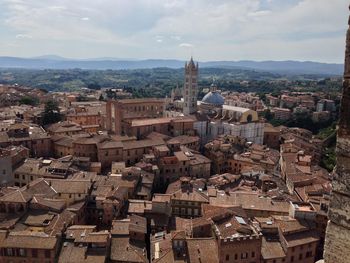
(56, 62)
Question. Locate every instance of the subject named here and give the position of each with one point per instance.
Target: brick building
(121, 112)
(175, 126)
(30, 136)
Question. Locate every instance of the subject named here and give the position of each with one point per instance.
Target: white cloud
(21, 36)
(221, 29)
(177, 38)
(186, 45)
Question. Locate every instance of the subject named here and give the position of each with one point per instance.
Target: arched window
(249, 118)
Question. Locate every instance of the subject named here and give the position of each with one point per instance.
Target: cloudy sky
(207, 29)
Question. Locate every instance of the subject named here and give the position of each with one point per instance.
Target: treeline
(158, 82)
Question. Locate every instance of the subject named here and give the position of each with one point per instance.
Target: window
(47, 253)
(253, 254)
(292, 259)
(227, 257)
(22, 252)
(236, 256)
(300, 256)
(9, 252)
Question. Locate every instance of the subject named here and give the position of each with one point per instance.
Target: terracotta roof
(161, 198)
(48, 203)
(70, 186)
(302, 238)
(72, 254)
(60, 222)
(65, 141)
(139, 206)
(181, 156)
(122, 250)
(271, 249)
(128, 145)
(291, 225)
(138, 224)
(190, 195)
(250, 201)
(110, 144)
(120, 227)
(27, 239)
(100, 237)
(145, 122)
(143, 100)
(75, 231)
(25, 194)
(202, 250)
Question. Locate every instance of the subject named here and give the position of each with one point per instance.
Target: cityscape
(188, 160)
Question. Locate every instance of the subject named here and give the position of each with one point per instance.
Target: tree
(29, 101)
(51, 113)
(268, 115)
(94, 86)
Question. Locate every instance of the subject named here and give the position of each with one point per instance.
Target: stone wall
(337, 243)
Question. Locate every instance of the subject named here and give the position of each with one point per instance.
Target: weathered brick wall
(337, 243)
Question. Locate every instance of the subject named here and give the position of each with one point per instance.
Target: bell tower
(190, 89)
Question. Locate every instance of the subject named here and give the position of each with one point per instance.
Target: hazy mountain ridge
(56, 62)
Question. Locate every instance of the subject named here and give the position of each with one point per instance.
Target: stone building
(32, 245)
(10, 158)
(271, 136)
(87, 113)
(121, 112)
(237, 121)
(30, 136)
(337, 243)
(282, 113)
(187, 201)
(175, 126)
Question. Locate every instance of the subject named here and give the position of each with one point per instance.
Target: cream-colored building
(237, 121)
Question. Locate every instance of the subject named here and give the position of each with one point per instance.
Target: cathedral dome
(213, 98)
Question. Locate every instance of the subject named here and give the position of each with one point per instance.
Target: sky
(304, 30)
